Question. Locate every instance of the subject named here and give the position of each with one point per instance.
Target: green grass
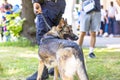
(17, 63)
(21, 42)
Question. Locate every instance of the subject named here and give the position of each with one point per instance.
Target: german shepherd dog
(65, 56)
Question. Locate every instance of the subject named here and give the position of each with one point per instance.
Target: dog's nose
(76, 38)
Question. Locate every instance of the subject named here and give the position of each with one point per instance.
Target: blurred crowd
(6, 9)
(110, 21)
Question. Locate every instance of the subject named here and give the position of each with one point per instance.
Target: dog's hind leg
(56, 73)
(66, 78)
(40, 70)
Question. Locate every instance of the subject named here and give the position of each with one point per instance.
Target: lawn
(17, 63)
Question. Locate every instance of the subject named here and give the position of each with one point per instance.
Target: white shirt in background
(112, 11)
(103, 14)
(68, 11)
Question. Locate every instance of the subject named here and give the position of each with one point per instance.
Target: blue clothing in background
(16, 8)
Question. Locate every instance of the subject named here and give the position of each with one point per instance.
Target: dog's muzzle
(71, 37)
(74, 37)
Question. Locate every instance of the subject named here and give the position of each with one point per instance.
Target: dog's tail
(81, 68)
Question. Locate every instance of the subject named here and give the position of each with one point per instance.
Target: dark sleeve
(33, 1)
(37, 1)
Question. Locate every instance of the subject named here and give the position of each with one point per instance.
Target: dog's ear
(65, 21)
(70, 26)
(59, 27)
(61, 23)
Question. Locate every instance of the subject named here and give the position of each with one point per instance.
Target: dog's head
(63, 31)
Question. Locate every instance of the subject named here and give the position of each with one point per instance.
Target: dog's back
(50, 46)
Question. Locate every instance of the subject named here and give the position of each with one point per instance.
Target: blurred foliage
(14, 24)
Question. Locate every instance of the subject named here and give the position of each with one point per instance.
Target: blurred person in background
(68, 14)
(8, 11)
(106, 25)
(2, 7)
(112, 10)
(102, 22)
(16, 9)
(90, 22)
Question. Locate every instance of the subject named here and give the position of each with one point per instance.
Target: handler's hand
(37, 8)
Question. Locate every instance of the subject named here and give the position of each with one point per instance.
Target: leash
(45, 21)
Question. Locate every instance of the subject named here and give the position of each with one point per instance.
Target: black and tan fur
(65, 56)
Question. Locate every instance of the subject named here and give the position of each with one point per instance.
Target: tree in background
(29, 30)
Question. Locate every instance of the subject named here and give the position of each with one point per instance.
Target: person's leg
(84, 26)
(92, 44)
(102, 29)
(92, 39)
(106, 30)
(112, 27)
(81, 38)
(94, 27)
(33, 76)
(44, 75)
(111, 21)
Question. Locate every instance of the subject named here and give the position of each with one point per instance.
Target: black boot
(51, 72)
(44, 75)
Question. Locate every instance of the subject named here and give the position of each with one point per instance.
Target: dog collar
(49, 37)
